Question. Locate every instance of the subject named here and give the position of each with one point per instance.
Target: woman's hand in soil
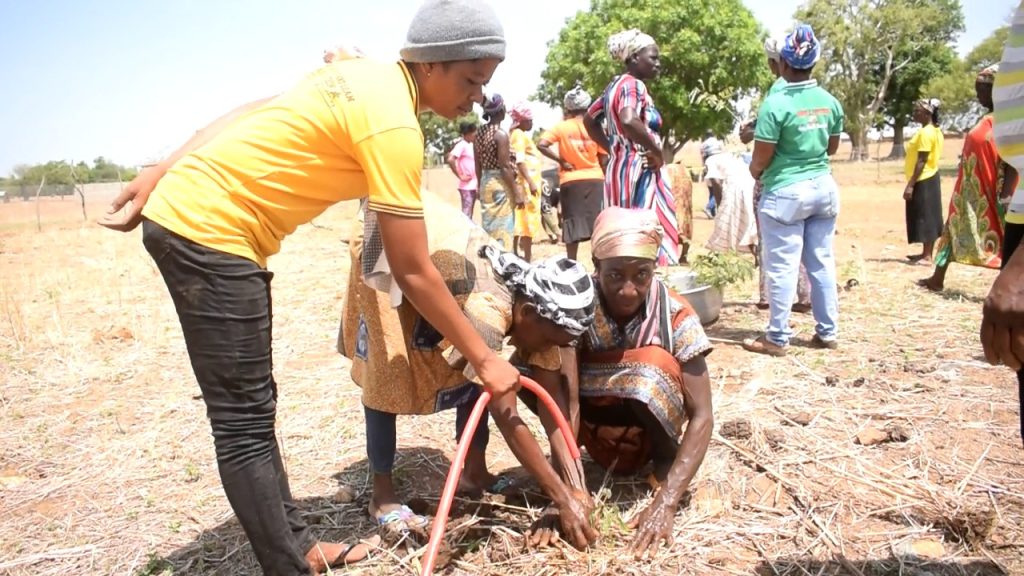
(544, 531)
(654, 526)
(574, 516)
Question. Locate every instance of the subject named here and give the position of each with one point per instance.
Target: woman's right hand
(519, 197)
(574, 516)
(498, 376)
(654, 159)
(908, 192)
(132, 199)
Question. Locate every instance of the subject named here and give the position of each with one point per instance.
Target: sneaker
(763, 346)
(818, 342)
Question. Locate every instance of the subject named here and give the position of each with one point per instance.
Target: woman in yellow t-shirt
(215, 210)
(923, 193)
(528, 224)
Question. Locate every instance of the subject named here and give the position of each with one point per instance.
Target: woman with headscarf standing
(634, 178)
(580, 177)
(798, 128)
(803, 286)
(498, 190)
(973, 233)
(923, 193)
(216, 210)
(528, 223)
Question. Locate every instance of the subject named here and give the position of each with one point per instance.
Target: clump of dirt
(737, 430)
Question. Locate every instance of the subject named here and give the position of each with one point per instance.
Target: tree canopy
(869, 43)
(955, 86)
(440, 133)
(711, 56)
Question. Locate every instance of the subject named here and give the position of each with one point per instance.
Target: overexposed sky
(133, 80)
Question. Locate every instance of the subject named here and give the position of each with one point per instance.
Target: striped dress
(1008, 97)
(628, 184)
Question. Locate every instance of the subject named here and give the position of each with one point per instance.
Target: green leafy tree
(955, 87)
(868, 43)
(440, 134)
(908, 86)
(711, 57)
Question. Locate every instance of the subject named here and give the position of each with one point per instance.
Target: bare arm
(922, 160)
(545, 148)
(453, 164)
(655, 523)
(1009, 180)
(572, 513)
(405, 245)
(833, 144)
(505, 159)
(551, 381)
(138, 190)
(595, 132)
(762, 158)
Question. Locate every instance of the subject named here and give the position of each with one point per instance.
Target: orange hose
(455, 472)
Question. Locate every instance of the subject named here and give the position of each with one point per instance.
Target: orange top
(576, 148)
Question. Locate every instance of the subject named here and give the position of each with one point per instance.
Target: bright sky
(131, 80)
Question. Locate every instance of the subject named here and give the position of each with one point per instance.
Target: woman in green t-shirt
(798, 128)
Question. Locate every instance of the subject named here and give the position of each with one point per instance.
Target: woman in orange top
(580, 177)
(215, 210)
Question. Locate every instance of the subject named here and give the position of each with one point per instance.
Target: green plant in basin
(721, 269)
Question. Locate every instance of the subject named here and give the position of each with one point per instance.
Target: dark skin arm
(655, 523)
(634, 128)
(762, 158)
(1009, 180)
(136, 193)
(1002, 316)
(476, 163)
(545, 148)
(504, 156)
(922, 159)
(572, 512)
(833, 144)
(543, 532)
(715, 187)
(405, 244)
(596, 132)
(452, 163)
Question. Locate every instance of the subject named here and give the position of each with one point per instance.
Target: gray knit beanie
(449, 30)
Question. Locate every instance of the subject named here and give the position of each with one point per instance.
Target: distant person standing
(462, 161)
(498, 191)
(632, 136)
(528, 224)
(923, 193)
(709, 142)
(973, 233)
(581, 180)
(798, 129)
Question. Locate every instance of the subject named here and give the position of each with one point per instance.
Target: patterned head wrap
(988, 75)
(622, 232)
(624, 44)
(801, 49)
(561, 289)
(771, 48)
(520, 113)
(577, 99)
(929, 104)
(493, 104)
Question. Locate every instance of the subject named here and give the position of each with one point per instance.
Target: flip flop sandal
(501, 485)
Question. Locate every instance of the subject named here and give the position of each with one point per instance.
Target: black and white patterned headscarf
(560, 288)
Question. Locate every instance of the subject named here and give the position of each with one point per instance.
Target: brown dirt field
(107, 466)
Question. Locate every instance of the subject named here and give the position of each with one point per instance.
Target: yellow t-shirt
(928, 139)
(577, 148)
(347, 131)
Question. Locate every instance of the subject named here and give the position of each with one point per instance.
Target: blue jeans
(798, 224)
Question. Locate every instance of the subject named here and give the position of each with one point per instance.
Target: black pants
(223, 303)
(1012, 239)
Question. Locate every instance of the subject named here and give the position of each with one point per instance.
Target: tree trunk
(39, 221)
(81, 194)
(898, 153)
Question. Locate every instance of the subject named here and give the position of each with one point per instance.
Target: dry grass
(106, 465)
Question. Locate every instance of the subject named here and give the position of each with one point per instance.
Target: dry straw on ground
(897, 454)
